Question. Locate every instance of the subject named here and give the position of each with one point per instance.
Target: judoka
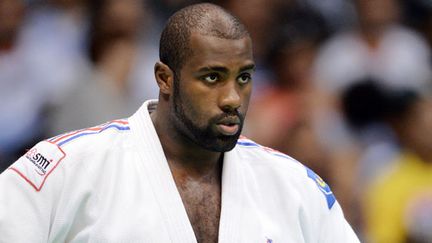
(177, 170)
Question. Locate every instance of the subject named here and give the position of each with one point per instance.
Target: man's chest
(132, 205)
(203, 207)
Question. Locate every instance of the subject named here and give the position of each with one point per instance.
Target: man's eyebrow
(224, 69)
(213, 68)
(248, 67)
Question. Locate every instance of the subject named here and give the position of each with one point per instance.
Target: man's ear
(164, 77)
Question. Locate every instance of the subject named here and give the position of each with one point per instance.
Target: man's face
(211, 97)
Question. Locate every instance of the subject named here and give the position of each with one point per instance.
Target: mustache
(230, 117)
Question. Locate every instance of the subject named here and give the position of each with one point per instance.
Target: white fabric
(114, 185)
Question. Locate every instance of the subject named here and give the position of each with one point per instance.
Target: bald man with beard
(177, 170)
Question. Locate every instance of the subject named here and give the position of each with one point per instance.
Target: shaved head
(206, 19)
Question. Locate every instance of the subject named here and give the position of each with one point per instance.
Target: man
(175, 171)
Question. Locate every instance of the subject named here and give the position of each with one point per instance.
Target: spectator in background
(366, 105)
(398, 199)
(24, 87)
(379, 47)
(55, 31)
(120, 67)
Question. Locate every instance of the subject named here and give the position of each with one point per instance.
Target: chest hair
(203, 205)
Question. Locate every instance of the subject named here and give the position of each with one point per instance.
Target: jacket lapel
(159, 174)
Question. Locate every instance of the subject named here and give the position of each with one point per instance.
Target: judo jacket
(112, 183)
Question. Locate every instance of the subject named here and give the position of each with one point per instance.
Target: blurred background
(344, 86)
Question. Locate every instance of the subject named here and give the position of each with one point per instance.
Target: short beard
(202, 136)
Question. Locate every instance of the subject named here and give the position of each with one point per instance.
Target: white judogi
(112, 183)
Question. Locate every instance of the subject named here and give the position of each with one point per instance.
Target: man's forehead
(202, 43)
(210, 51)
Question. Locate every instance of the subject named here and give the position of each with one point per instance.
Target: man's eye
(211, 78)
(244, 78)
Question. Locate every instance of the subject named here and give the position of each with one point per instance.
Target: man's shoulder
(62, 152)
(256, 153)
(84, 144)
(94, 138)
(283, 168)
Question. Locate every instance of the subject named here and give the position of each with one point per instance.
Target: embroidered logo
(324, 187)
(37, 164)
(39, 161)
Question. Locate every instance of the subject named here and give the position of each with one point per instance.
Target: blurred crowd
(344, 86)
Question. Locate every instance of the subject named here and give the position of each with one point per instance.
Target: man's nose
(230, 98)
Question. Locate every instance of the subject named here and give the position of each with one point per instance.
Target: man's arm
(332, 226)
(26, 199)
(336, 229)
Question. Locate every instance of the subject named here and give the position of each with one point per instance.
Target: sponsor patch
(37, 164)
(324, 187)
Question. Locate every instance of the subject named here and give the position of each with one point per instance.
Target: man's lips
(229, 126)
(228, 130)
